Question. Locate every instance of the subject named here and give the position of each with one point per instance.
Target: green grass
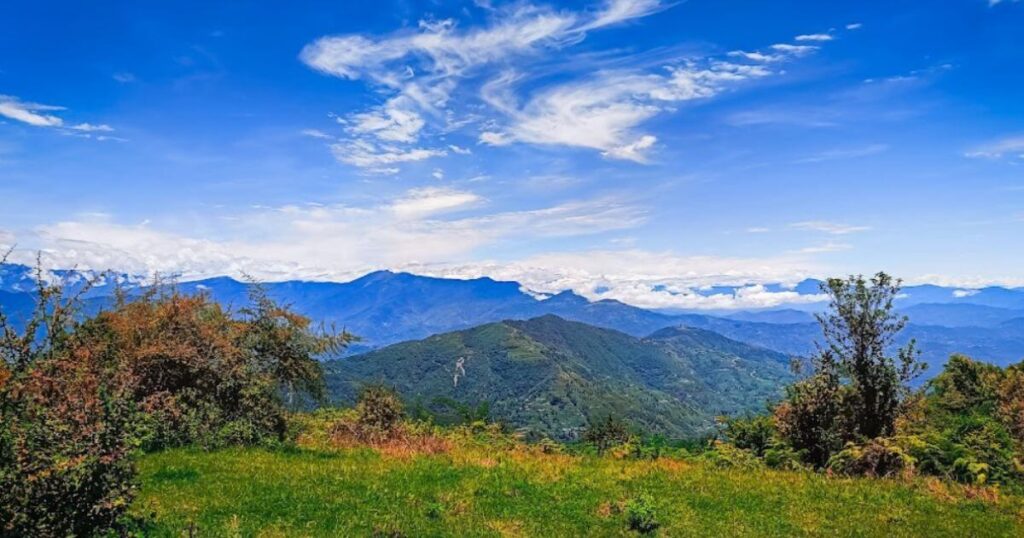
(479, 492)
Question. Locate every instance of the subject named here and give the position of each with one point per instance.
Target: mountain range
(384, 308)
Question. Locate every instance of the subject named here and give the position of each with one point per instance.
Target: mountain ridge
(555, 377)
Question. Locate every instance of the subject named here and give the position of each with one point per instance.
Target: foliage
(378, 413)
(727, 456)
(79, 394)
(65, 427)
(466, 414)
(856, 390)
(756, 434)
(640, 514)
(199, 374)
(607, 434)
(962, 427)
(283, 345)
(878, 458)
(807, 419)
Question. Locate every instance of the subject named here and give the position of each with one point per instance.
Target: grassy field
(521, 492)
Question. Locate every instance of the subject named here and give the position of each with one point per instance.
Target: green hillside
(554, 377)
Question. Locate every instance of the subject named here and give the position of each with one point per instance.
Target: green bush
(877, 458)
(378, 413)
(640, 514)
(782, 457)
(755, 434)
(725, 455)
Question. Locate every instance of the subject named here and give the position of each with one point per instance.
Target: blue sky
(633, 149)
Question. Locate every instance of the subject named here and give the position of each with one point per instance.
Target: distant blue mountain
(384, 308)
(960, 314)
(781, 315)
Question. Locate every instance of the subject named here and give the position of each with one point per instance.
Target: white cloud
(420, 203)
(317, 133)
(757, 56)
(366, 154)
(437, 174)
(649, 279)
(459, 150)
(604, 111)
(825, 248)
(617, 11)
(854, 26)
(90, 128)
(38, 115)
(396, 121)
(960, 294)
(814, 37)
(420, 69)
(1011, 146)
(795, 50)
(31, 113)
(634, 151)
(319, 242)
(831, 228)
(124, 78)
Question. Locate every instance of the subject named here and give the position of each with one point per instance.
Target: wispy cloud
(832, 228)
(31, 113)
(604, 111)
(814, 37)
(844, 153)
(825, 248)
(423, 68)
(315, 241)
(38, 115)
(419, 71)
(1007, 147)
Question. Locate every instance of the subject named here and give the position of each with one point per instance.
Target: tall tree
(859, 380)
(860, 329)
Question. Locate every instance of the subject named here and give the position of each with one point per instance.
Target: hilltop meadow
(168, 414)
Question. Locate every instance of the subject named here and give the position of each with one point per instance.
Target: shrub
(607, 434)
(1010, 397)
(808, 418)
(640, 514)
(725, 455)
(378, 413)
(782, 457)
(876, 458)
(971, 471)
(755, 434)
(65, 428)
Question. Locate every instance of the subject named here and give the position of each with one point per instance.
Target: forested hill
(554, 377)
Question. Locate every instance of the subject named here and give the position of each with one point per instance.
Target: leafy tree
(857, 388)
(282, 344)
(608, 433)
(756, 434)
